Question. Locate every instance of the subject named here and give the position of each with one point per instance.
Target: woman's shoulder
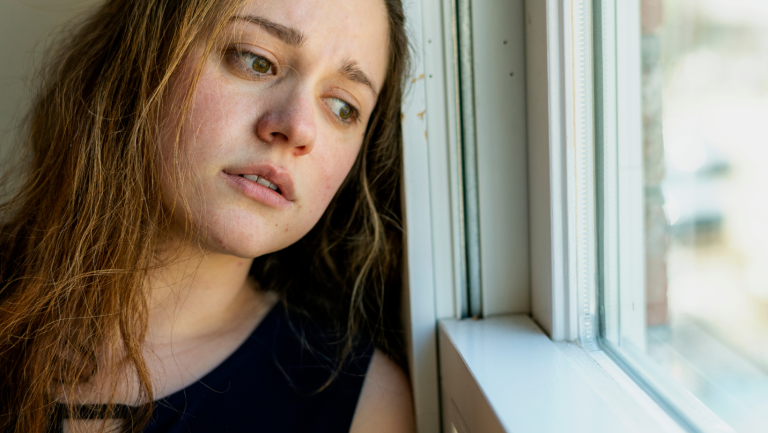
(385, 403)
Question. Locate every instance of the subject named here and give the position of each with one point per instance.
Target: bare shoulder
(385, 403)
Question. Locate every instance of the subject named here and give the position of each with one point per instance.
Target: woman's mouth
(261, 189)
(262, 181)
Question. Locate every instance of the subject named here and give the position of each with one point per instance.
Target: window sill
(506, 375)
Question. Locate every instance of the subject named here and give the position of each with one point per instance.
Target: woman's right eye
(256, 63)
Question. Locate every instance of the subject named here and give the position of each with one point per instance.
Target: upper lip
(277, 175)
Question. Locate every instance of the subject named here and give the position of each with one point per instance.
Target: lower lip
(257, 191)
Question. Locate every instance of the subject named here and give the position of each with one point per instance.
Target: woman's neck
(199, 293)
(202, 307)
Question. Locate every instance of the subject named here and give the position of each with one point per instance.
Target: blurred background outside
(705, 96)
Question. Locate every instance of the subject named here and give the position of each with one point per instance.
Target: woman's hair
(84, 223)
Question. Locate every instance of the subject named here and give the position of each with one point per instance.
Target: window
(681, 95)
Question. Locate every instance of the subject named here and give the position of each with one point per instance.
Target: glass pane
(705, 110)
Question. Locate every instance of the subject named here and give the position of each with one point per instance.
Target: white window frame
(518, 368)
(431, 157)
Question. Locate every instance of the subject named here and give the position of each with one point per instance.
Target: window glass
(705, 174)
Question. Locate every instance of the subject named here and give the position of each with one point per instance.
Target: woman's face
(277, 120)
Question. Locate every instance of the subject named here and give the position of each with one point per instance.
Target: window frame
(544, 298)
(434, 216)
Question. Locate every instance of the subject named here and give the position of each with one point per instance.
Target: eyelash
(241, 63)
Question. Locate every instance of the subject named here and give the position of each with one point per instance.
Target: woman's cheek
(326, 188)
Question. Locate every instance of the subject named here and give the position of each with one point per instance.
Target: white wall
(26, 27)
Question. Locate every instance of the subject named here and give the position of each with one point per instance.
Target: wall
(26, 28)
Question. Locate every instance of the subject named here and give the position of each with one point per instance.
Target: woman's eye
(341, 109)
(257, 63)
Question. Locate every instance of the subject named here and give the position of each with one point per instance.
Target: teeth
(267, 183)
(261, 181)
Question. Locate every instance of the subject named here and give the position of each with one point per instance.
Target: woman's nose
(290, 121)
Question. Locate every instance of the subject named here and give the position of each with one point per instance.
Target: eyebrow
(289, 35)
(294, 37)
(351, 71)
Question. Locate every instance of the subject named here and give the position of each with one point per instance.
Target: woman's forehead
(351, 14)
(354, 31)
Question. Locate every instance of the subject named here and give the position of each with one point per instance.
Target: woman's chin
(248, 245)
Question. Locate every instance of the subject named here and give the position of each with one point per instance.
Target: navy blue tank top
(274, 382)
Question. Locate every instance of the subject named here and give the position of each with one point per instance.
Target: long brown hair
(81, 230)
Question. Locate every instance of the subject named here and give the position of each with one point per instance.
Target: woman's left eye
(343, 110)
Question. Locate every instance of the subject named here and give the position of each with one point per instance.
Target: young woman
(205, 233)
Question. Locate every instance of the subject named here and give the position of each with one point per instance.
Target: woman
(173, 142)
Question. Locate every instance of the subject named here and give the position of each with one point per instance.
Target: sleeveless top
(274, 382)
